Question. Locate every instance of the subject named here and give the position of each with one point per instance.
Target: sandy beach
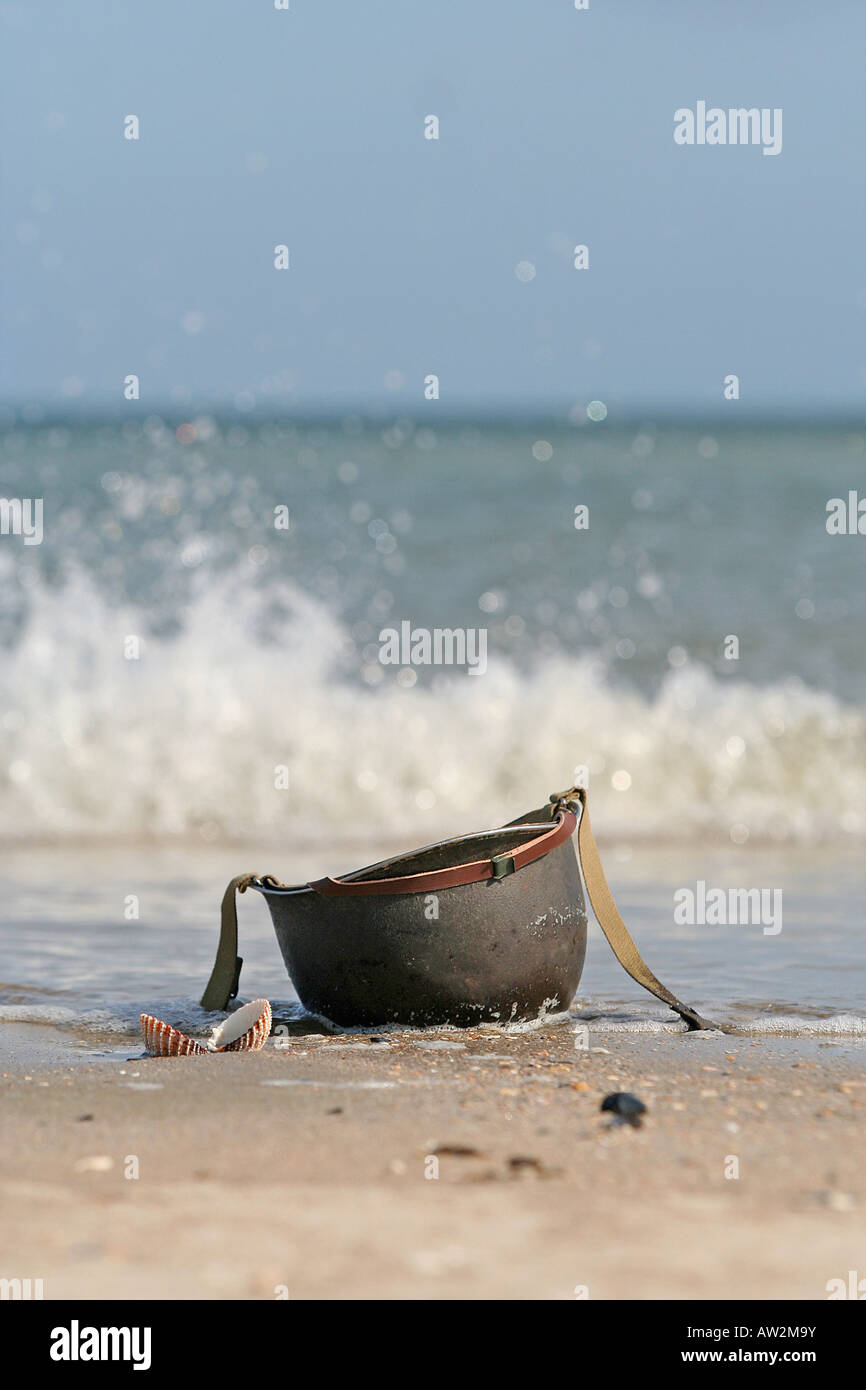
(305, 1171)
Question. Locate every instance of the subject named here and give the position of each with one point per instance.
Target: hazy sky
(260, 127)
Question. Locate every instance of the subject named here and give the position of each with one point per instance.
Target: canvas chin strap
(225, 976)
(223, 983)
(608, 918)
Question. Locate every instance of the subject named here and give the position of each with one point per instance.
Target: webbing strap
(611, 923)
(223, 983)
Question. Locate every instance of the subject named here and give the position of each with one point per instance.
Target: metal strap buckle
(503, 865)
(570, 799)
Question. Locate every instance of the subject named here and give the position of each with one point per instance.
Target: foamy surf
(118, 1023)
(187, 739)
(837, 1026)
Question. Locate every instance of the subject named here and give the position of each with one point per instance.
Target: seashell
(246, 1030)
(162, 1040)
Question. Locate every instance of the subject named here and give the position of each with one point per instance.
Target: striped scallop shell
(254, 1019)
(162, 1040)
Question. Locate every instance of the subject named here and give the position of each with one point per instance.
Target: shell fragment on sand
(164, 1041)
(246, 1030)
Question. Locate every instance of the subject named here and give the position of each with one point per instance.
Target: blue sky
(306, 128)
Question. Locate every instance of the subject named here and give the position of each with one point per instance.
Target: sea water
(191, 687)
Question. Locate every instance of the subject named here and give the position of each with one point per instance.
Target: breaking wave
(186, 739)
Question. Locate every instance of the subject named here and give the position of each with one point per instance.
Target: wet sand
(302, 1170)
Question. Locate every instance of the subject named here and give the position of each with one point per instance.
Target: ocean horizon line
(39, 415)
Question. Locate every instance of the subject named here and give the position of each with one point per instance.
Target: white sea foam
(120, 1020)
(185, 740)
(635, 1025)
(836, 1026)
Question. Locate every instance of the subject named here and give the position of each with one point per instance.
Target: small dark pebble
(519, 1162)
(626, 1107)
(337, 1110)
(525, 1166)
(82, 1118)
(456, 1151)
